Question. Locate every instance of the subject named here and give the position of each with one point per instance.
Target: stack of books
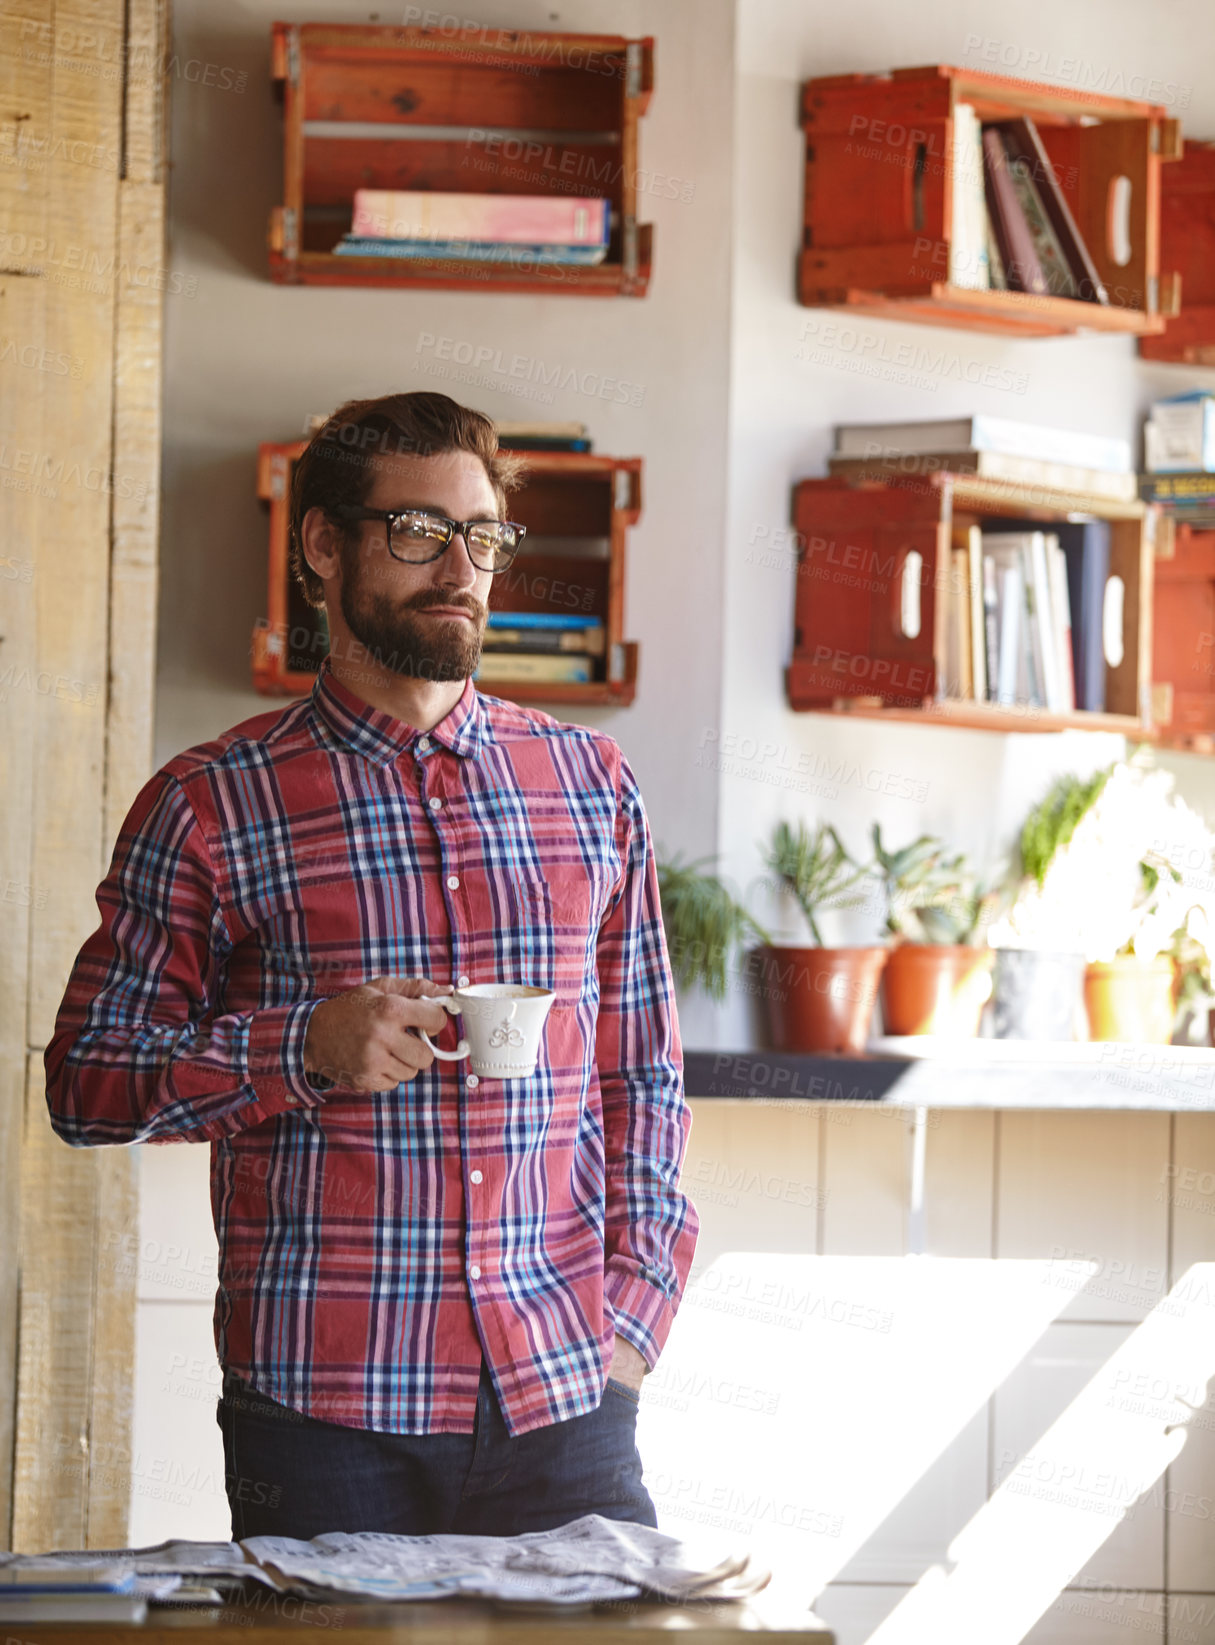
(1012, 228)
(31, 1593)
(1024, 613)
(993, 448)
(1179, 455)
(477, 228)
(541, 645)
(543, 437)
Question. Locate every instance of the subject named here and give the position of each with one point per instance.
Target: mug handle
(461, 1050)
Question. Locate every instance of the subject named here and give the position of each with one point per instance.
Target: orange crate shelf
(1187, 244)
(583, 502)
(850, 652)
(491, 111)
(879, 196)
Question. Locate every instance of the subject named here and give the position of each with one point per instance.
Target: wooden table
(445, 1622)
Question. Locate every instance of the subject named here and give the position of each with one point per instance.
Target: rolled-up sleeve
(139, 1053)
(650, 1225)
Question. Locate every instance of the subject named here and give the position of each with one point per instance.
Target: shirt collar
(382, 738)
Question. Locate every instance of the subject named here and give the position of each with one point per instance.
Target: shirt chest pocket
(553, 936)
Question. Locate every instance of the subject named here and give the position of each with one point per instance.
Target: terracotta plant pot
(818, 999)
(931, 989)
(1131, 999)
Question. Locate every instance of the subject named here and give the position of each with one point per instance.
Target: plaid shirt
(374, 1246)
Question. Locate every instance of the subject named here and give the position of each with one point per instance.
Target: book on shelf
(973, 536)
(544, 619)
(1179, 435)
(1107, 484)
(1011, 228)
(968, 251)
(540, 442)
(1006, 627)
(531, 665)
(1060, 604)
(517, 219)
(1178, 492)
(470, 251)
(588, 641)
(1022, 270)
(1057, 240)
(1086, 547)
(542, 430)
(980, 432)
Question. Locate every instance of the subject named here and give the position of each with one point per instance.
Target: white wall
(976, 786)
(246, 361)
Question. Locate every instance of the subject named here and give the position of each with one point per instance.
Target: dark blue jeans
(291, 1475)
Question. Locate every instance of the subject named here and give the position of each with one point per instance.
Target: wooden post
(82, 193)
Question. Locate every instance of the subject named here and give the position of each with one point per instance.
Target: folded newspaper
(589, 1560)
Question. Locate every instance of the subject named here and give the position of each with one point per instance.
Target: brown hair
(339, 464)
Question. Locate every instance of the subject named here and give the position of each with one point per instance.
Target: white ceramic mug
(503, 1022)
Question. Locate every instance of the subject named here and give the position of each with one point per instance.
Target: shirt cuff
(276, 1058)
(642, 1313)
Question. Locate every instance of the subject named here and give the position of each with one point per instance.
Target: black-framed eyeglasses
(416, 536)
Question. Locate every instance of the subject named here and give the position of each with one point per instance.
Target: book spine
(1061, 610)
(1021, 266)
(587, 641)
(542, 619)
(471, 251)
(1056, 269)
(991, 625)
(1045, 653)
(522, 219)
(968, 229)
(521, 665)
(1011, 600)
(974, 577)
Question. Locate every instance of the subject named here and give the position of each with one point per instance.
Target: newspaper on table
(590, 1560)
(161, 1571)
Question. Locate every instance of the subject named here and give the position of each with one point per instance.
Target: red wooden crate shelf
(487, 111)
(1187, 244)
(1183, 642)
(879, 189)
(850, 652)
(585, 504)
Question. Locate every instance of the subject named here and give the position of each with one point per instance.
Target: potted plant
(706, 925)
(1103, 880)
(1038, 981)
(937, 978)
(818, 998)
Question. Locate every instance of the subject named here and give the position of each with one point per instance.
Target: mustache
(424, 602)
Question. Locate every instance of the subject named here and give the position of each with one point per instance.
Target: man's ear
(321, 544)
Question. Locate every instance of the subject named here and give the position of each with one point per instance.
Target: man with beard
(437, 1294)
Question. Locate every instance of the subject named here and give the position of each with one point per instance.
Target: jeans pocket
(625, 1392)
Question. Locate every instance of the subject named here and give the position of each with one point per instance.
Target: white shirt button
(472, 1080)
(475, 1271)
(436, 804)
(453, 882)
(423, 742)
(474, 1176)
(461, 982)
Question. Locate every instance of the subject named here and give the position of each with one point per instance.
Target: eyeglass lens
(416, 536)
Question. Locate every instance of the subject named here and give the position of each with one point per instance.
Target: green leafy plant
(1052, 822)
(932, 897)
(705, 924)
(814, 867)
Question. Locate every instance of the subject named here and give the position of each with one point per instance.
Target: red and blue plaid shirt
(373, 1247)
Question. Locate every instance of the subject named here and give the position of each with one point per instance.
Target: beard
(406, 642)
